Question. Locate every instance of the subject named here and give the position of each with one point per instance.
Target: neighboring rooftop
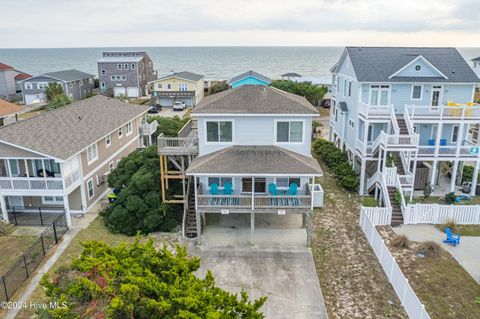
(477, 59)
(183, 75)
(291, 75)
(64, 132)
(66, 75)
(255, 99)
(22, 76)
(250, 74)
(7, 108)
(377, 64)
(120, 59)
(5, 67)
(249, 159)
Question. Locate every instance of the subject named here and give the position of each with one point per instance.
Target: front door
(260, 185)
(436, 95)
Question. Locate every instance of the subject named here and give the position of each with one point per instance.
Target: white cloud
(63, 23)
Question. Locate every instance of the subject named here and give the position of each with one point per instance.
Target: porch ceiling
(255, 160)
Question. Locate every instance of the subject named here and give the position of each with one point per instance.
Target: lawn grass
(463, 230)
(353, 283)
(441, 284)
(12, 248)
(95, 231)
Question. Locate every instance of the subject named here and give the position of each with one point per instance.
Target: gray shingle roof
(184, 75)
(377, 64)
(268, 160)
(292, 74)
(64, 132)
(250, 73)
(69, 75)
(255, 99)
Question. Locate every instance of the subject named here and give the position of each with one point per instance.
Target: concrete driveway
(287, 278)
(467, 253)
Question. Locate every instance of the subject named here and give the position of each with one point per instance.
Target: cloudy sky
(93, 23)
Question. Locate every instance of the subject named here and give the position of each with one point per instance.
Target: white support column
(434, 173)
(197, 214)
(3, 208)
(454, 176)
(376, 192)
(437, 138)
(66, 204)
(474, 178)
(27, 171)
(362, 177)
(384, 164)
(252, 214)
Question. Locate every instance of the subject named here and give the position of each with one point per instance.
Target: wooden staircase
(397, 217)
(191, 219)
(398, 163)
(402, 125)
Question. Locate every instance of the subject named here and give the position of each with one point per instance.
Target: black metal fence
(33, 215)
(26, 264)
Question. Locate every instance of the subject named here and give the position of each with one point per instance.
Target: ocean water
(212, 62)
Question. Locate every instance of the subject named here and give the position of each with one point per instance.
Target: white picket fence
(414, 308)
(439, 214)
(379, 215)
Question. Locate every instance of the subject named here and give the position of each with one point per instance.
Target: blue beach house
(249, 78)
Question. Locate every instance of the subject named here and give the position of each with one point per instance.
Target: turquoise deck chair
(227, 189)
(214, 189)
(272, 189)
(292, 191)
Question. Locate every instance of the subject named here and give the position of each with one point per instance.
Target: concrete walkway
(467, 253)
(77, 225)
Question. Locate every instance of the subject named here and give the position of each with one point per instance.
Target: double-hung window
(182, 86)
(108, 140)
(103, 72)
(129, 128)
(221, 131)
(290, 132)
(90, 188)
(132, 66)
(92, 153)
(416, 92)
(285, 182)
(220, 181)
(119, 66)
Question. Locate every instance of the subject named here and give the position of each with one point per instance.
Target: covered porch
(254, 181)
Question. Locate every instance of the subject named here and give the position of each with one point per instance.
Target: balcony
(375, 111)
(468, 111)
(149, 128)
(31, 183)
(186, 143)
(262, 203)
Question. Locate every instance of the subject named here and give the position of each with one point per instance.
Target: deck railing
(374, 110)
(149, 128)
(462, 112)
(31, 183)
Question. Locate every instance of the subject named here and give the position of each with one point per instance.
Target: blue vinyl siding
(251, 80)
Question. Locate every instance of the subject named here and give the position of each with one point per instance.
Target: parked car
(179, 106)
(152, 110)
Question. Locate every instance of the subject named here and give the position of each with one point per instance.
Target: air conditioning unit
(102, 178)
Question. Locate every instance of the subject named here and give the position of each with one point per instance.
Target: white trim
(415, 60)
(275, 123)
(129, 132)
(421, 92)
(440, 97)
(90, 161)
(206, 142)
(379, 97)
(253, 115)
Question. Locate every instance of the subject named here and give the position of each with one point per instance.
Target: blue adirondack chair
(453, 239)
(214, 189)
(292, 190)
(443, 142)
(227, 189)
(272, 189)
(431, 142)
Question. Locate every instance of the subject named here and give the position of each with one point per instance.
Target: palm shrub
(450, 198)
(427, 190)
(139, 281)
(337, 161)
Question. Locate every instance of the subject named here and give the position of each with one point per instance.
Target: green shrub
(337, 161)
(169, 126)
(450, 198)
(139, 281)
(369, 201)
(427, 190)
(467, 174)
(138, 207)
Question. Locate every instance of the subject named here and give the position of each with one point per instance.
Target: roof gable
(419, 67)
(250, 78)
(378, 64)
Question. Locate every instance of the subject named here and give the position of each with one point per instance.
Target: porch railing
(33, 215)
(374, 110)
(149, 128)
(178, 145)
(31, 183)
(462, 112)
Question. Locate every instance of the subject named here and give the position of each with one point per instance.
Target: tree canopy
(56, 96)
(139, 281)
(138, 206)
(313, 93)
(169, 126)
